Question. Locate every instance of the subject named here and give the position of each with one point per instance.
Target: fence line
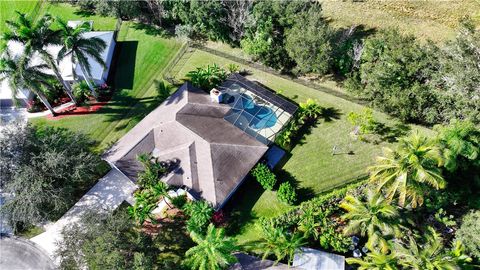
(277, 73)
(36, 11)
(167, 75)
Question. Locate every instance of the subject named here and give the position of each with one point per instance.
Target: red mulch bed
(74, 110)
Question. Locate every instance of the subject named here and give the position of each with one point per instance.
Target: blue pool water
(256, 116)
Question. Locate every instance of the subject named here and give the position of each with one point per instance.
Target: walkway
(106, 195)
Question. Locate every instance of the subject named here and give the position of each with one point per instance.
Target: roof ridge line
(232, 144)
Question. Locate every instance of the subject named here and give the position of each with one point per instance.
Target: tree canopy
(54, 164)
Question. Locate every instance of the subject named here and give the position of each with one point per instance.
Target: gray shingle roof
(213, 155)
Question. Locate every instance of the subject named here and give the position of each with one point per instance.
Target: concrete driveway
(20, 254)
(105, 196)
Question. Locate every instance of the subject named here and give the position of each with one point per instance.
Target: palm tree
(408, 171)
(374, 218)
(36, 36)
(200, 213)
(309, 224)
(310, 109)
(276, 241)
(207, 77)
(161, 189)
(74, 44)
(375, 261)
(460, 144)
(213, 250)
(21, 75)
(429, 255)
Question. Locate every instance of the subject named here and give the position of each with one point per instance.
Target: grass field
(62, 10)
(8, 8)
(142, 58)
(435, 20)
(311, 164)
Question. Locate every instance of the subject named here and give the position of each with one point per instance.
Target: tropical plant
(76, 45)
(200, 213)
(21, 74)
(233, 68)
(429, 254)
(160, 189)
(309, 224)
(36, 36)
(278, 242)
(286, 193)
(375, 260)
(81, 91)
(153, 169)
(141, 212)
(213, 250)
(264, 176)
(310, 110)
(363, 121)
(408, 171)
(163, 91)
(460, 143)
(374, 218)
(207, 77)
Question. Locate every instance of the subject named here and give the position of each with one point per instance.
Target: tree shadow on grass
(391, 134)
(303, 193)
(329, 114)
(127, 108)
(152, 30)
(239, 206)
(84, 12)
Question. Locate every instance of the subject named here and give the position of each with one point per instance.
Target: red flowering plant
(104, 92)
(34, 106)
(219, 219)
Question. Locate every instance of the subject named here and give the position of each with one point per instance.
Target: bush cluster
(286, 193)
(264, 176)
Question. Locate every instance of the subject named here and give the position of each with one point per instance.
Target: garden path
(105, 196)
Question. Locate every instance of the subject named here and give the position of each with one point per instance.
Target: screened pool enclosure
(255, 110)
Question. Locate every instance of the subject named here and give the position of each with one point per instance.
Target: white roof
(65, 66)
(310, 258)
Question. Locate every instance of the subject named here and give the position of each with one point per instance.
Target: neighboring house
(310, 258)
(210, 146)
(67, 68)
(247, 262)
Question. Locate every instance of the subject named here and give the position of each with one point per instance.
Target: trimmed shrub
(286, 193)
(264, 176)
(469, 233)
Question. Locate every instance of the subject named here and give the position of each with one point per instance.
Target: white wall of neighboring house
(98, 73)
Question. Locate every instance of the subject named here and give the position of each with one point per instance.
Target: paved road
(21, 254)
(106, 195)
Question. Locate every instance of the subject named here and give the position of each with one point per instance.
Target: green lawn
(62, 10)
(8, 8)
(70, 13)
(311, 164)
(435, 20)
(142, 58)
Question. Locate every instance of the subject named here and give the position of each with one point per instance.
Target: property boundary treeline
(274, 72)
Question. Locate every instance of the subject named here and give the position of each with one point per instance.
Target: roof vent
(216, 95)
